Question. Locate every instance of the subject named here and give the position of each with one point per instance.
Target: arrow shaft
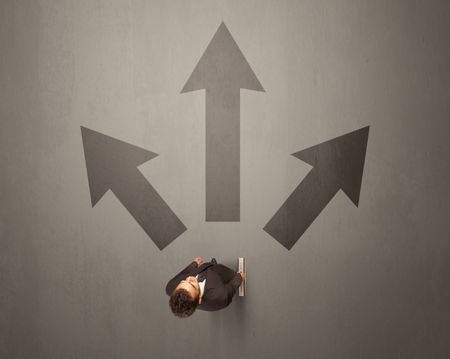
(148, 208)
(223, 154)
(301, 208)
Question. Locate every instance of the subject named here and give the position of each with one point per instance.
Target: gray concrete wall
(362, 282)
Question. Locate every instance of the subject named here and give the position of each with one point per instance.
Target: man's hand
(198, 260)
(242, 275)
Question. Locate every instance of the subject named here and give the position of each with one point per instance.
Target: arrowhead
(222, 64)
(108, 161)
(340, 160)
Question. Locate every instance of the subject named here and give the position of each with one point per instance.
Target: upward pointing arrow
(222, 71)
(112, 164)
(338, 164)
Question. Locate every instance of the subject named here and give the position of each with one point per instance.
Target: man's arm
(233, 285)
(171, 285)
(228, 290)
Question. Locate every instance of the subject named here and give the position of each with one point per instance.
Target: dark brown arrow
(338, 164)
(112, 164)
(222, 71)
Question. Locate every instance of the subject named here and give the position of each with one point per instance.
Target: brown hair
(182, 304)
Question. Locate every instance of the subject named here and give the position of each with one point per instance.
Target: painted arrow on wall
(112, 164)
(222, 71)
(337, 164)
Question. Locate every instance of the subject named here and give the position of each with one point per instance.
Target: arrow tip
(340, 160)
(108, 160)
(222, 64)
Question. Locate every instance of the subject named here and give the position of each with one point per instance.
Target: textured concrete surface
(366, 282)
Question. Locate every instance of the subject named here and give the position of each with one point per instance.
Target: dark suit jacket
(220, 287)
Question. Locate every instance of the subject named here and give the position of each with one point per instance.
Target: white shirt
(202, 286)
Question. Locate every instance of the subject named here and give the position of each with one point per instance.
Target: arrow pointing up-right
(338, 164)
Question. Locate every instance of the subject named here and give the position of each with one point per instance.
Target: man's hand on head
(198, 260)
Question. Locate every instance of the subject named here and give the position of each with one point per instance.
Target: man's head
(185, 297)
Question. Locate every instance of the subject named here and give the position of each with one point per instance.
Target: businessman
(206, 286)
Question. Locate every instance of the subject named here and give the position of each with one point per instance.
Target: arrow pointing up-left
(112, 164)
